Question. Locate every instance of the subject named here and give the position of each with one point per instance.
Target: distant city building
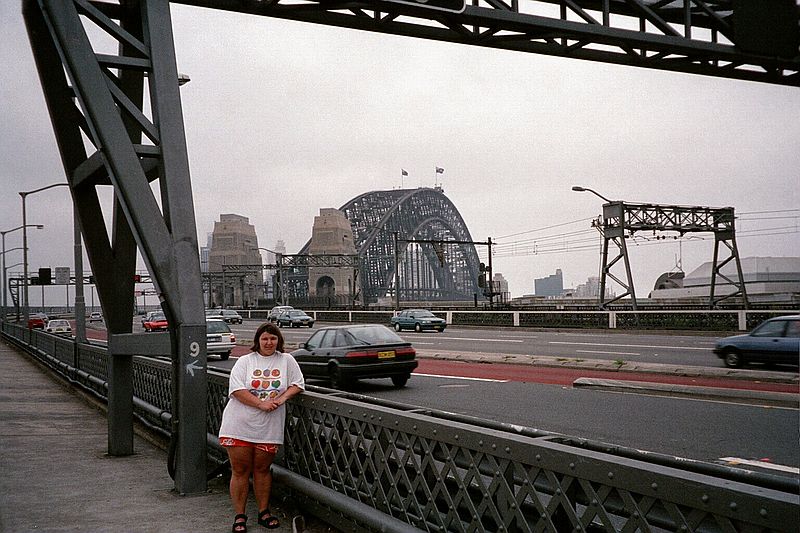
(590, 289)
(500, 284)
(234, 243)
(204, 251)
(767, 279)
(552, 285)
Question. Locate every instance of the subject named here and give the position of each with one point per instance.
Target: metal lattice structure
(620, 218)
(426, 271)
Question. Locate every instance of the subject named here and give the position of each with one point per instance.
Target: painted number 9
(194, 349)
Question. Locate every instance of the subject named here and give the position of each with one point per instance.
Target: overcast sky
(284, 118)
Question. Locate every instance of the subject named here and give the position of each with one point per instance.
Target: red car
(37, 321)
(157, 322)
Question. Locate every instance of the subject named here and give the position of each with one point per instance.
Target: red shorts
(228, 442)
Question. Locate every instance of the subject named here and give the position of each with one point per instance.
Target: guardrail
(348, 456)
(687, 320)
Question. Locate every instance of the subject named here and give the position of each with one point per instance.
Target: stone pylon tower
(331, 234)
(234, 243)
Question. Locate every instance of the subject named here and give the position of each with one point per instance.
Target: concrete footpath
(55, 474)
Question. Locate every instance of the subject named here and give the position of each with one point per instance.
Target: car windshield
(423, 313)
(365, 335)
(217, 326)
(158, 316)
(296, 313)
(58, 323)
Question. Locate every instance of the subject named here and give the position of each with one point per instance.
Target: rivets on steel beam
(435, 431)
(733, 506)
(455, 436)
(763, 512)
(611, 475)
(414, 427)
(572, 466)
(595, 502)
(705, 498)
(654, 485)
(558, 491)
(538, 457)
(480, 442)
(508, 449)
(494, 446)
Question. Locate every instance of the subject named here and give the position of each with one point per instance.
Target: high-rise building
(552, 285)
(500, 284)
(234, 245)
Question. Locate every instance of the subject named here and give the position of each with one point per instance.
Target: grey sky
(284, 118)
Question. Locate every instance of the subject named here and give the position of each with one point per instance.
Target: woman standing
(253, 420)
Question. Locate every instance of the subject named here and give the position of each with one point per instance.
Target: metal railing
(348, 456)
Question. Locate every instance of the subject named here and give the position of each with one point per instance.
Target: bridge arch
(426, 214)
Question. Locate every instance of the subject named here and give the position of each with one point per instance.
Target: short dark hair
(267, 327)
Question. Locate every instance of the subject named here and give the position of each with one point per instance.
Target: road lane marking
(628, 345)
(461, 377)
(608, 353)
(760, 464)
(471, 339)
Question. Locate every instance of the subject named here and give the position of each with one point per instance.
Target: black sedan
(294, 318)
(774, 341)
(344, 354)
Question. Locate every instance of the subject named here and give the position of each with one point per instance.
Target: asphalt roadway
(57, 476)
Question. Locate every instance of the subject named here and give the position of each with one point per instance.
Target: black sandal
(268, 520)
(239, 524)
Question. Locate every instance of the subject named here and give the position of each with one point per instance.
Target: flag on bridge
(439, 170)
(403, 172)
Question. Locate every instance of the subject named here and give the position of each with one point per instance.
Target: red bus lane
(566, 376)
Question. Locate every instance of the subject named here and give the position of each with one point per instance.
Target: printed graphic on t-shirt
(265, 383)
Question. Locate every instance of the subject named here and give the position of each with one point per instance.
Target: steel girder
(101, 99)
(621, 217)
(724, 38)
(425, 214)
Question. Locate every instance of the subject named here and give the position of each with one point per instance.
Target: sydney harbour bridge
(413, 241)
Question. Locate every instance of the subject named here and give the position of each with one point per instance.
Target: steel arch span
(425, 214)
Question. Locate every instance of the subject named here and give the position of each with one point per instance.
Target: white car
(59, 327)
(95, 317)
(219, 338)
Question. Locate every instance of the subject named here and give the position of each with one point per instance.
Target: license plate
(386, 355)
(215, 339)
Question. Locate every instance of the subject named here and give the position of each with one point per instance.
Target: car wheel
(733, 359)
(417, 328)
(400, 381)
(338, 381)
(224, 356)
(397, 326)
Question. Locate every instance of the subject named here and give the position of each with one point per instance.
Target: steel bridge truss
(622, 219)
(740, 39)
(425, 271)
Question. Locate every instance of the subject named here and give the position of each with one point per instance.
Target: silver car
(219, 339)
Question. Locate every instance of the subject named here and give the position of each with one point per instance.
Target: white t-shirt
(265, 377)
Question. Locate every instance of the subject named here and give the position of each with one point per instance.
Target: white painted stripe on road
(460, 377)
(760, 464)
(627, 345)
(607, 353)
(471, 339)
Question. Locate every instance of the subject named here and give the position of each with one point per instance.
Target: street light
(578, 188)
(80, 309)
(3, 233)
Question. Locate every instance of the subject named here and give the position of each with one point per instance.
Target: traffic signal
(45, 276)
(451, 6)
(482, 267)
(482, 281)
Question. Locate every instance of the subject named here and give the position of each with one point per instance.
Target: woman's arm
(244, 396)
(287, 395)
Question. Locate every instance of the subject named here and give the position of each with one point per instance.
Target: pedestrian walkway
(55, 474)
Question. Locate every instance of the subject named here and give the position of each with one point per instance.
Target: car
(230, 316)
(219, 338)
(58, 326)
(156, 322)
(95, 317)
(275, 311)
(37, 320)
(344, 354)
(148, 316)
(418, 320)
(774, 341)
(294, 318)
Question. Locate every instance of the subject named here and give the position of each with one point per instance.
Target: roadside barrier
(364, 464)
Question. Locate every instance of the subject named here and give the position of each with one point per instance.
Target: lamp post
(80, 314)
(578, 188)
(3, 233)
